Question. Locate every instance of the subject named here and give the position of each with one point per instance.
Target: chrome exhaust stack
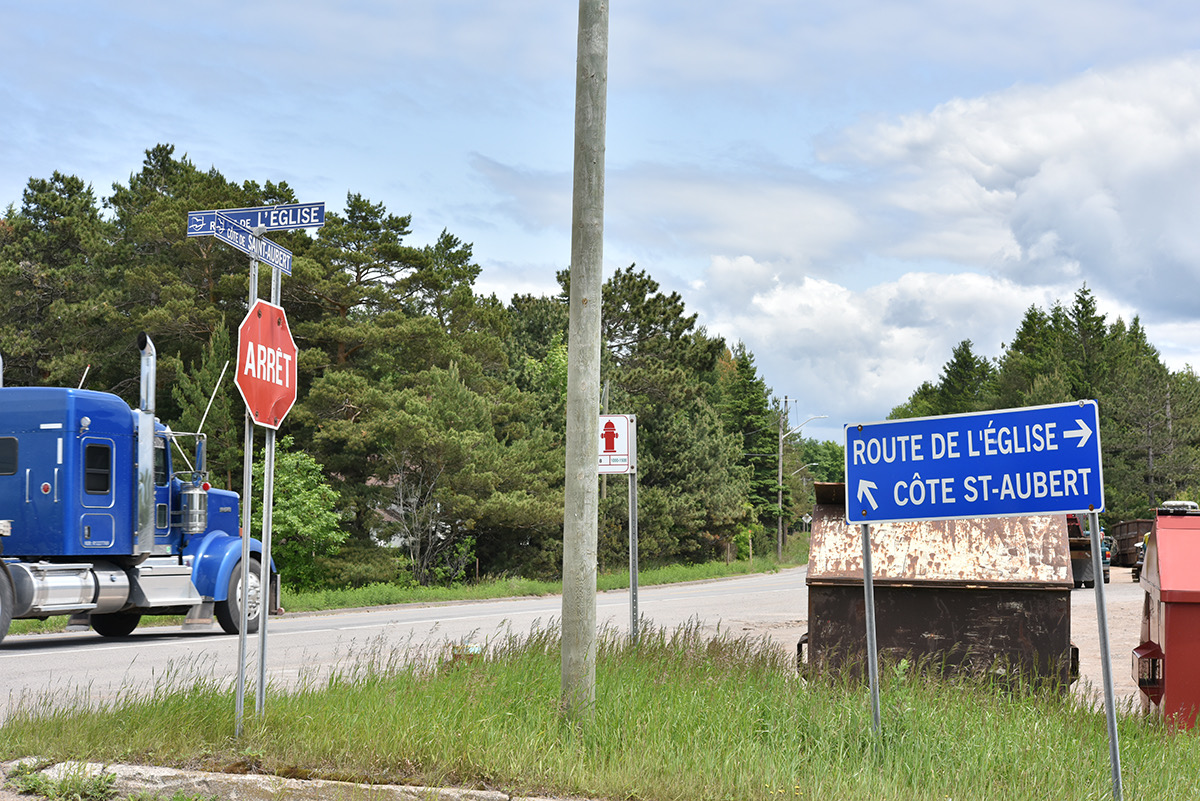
(145, 448)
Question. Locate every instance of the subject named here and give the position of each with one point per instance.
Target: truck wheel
(229, 611)
(6, 602)
(118, 624)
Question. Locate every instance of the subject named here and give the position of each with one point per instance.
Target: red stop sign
(266, 364)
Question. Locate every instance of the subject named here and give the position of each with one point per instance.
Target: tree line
(427, 441)
(1149, 414)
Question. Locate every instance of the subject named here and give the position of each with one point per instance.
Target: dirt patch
(1123, 601)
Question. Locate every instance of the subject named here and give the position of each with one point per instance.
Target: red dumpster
(1166, 664)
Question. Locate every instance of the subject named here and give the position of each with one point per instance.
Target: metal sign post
(1036, 460)
(244, 566)
(633, 557)
(243, 228)
(266, 378)
(1110, 699)
(264, 575)
(618, 454)
(872, 646)
(264, 581)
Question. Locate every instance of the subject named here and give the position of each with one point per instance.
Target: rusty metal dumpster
(984, 595)
(1166, 664)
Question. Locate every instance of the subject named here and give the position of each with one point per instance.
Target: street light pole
(779, 488)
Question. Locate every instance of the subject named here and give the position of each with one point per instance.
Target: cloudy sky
(849, 188)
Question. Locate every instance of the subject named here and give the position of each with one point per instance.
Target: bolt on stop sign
(266, 365)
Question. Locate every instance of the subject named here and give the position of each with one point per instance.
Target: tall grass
(677, 716)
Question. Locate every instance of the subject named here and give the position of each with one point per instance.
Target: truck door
(32, 493)
(97, 525)
(162, 497)
(9, 486)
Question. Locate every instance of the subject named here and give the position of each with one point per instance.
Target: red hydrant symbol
(609, 435)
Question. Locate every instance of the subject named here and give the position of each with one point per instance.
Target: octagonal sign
(266, 365)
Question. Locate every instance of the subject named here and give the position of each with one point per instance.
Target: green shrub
(360, 564)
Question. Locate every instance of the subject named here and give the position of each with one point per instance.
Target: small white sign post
(618, 454)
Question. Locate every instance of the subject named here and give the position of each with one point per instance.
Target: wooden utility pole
(582, 505)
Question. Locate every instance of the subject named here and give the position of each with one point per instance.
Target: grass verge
(677, 716)
(387, 594)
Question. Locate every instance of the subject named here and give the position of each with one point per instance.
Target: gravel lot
(1123, 604)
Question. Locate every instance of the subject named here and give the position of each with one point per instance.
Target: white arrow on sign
(1083, 433)
(864, 488)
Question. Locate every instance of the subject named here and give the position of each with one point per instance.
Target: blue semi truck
(103, 516)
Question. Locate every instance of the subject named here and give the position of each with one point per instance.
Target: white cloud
(857, 354)
(1176, 343)
(779, 218)
(930, 229)
(850, 189)
(768, 51)
(1083, 180)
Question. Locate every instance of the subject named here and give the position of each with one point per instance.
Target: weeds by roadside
(77, 783)
(679, 715)
(73, 785)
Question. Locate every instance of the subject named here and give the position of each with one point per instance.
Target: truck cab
(104, 517)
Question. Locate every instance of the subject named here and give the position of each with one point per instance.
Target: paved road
(61, 668)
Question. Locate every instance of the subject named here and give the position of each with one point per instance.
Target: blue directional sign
(243, 239)
(1036, 460)
(270, 218)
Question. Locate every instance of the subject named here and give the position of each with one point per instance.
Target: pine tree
(746, 410)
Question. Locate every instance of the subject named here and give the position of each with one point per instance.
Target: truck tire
(117, 624)
(229, 611)
(6, 602)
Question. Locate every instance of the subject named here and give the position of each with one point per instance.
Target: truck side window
(97, 469)
(161, 476)
(8, 456)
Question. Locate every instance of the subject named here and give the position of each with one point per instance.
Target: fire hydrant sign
(1036, 460)
(618, 444)
(266, 364)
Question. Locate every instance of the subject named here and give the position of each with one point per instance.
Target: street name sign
(230, 231)
(269, 218)
(618, 444)
(266, 364)
(1035, 460)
